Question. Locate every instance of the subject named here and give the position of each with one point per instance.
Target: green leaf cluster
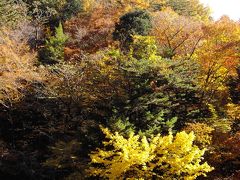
(53, 52)
(161, 92)
(133, 23)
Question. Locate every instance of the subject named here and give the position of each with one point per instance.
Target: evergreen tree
(162, 94)
(71, 8)
(133, 23)
(53, 52)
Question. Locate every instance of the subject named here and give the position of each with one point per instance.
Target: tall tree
(177, 36)
(130, 24)
(17, 69)
(218, 56)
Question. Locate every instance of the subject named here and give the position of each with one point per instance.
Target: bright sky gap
(219, 8)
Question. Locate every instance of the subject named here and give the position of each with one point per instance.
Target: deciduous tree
(218, 56)
(177, 36)
(159, 157)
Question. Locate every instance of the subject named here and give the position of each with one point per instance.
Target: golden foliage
(144, 47)
(233, 111)
(165, 157)
(17, 69)
(177, 36)
(88, 4)
(218, 55)
(202, 131)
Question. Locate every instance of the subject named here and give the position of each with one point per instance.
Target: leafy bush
(202, 131)
(165, 157)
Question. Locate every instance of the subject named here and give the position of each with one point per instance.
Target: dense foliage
(160, 76)
(130, 24)
(160, 157)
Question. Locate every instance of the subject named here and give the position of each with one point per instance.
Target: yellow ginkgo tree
(166, 157)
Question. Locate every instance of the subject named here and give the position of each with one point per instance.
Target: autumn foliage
(161, 76)
(138, 157)
(17, 69)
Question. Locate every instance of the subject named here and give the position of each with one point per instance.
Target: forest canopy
(118, 89)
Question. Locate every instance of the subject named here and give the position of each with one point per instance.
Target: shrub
(165, 157)
(202, 131)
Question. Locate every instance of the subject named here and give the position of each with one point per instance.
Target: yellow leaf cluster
(165, 157)
(17, 69)
(144, 47)
(88, 4)
(202, 132)
(233, 111)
